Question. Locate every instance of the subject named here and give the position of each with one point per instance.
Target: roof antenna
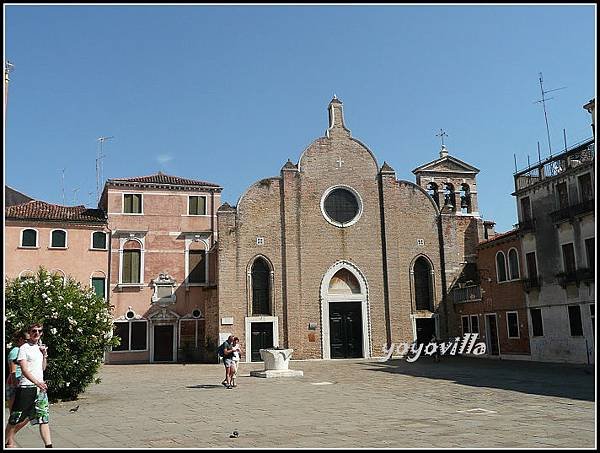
(543, 102)
(63, 186)
(99, 158)
(75, 196)
(8, 66)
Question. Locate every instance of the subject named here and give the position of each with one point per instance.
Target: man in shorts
(31, 400)
(228, 362)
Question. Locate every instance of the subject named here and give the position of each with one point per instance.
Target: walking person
(237, 349)
(226, 350)
(14, 370)
(31, 399)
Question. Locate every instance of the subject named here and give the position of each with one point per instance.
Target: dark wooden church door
(262, 338)
(345, 329)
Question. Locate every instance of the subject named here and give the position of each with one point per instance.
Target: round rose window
(341, 206)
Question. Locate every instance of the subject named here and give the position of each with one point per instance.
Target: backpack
(221, 350)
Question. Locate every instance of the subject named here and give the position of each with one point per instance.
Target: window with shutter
(59, 239)
(131, 266)
(29, 238)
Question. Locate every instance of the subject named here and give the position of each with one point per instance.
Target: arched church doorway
(345, 332)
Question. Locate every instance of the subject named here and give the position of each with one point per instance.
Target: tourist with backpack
(226, 351)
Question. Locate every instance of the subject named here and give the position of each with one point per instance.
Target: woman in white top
(236, 359)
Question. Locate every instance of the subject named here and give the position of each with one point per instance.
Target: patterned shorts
(30, 403)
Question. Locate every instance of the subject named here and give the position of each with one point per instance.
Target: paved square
(459, 402)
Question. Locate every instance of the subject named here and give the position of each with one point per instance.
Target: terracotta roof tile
(39, 210)
(498, 236)
(161, 178)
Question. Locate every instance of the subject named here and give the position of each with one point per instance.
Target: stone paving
(459, 402)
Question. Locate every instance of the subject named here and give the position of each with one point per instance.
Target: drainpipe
(386, 294)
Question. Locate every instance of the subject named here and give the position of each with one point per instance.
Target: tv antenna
(543, 102)
(63, 185)
(99, 158)
(75, 195)
(8, 66)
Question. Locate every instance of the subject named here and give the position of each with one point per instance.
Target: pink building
(66, 240)
(162, 267)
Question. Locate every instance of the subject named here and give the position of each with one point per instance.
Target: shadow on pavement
(550, 379)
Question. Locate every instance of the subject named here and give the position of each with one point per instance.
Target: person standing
(237, 349)
(14, 370)
(31, 399)
(227, 352)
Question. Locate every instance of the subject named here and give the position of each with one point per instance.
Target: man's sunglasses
(37, 330)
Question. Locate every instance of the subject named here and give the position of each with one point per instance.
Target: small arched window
(58, 239)
(261, 287)
(513, 264)
(501, 267)
(423, 285)
(26, 274)
(99, 240)
(29, 238)
(57, 273)
(98, 283)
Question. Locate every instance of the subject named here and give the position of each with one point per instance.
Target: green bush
(77, 328)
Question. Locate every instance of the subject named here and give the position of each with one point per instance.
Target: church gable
(338, 151)
(447, 164)
(259, 195)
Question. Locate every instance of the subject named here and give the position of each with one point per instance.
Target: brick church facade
(336, 258)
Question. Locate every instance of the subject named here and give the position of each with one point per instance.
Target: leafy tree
(77, 328)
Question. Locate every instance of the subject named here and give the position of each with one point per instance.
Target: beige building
(337, 258)
(162, 266)
(557, 222)
(66, 240)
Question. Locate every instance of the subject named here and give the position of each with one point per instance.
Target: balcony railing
(575, 277)
(578, 154)
(467, 294)
(586, 274)
(565, 278)
(570, 212)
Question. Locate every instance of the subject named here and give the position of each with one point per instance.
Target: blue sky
(227, 94)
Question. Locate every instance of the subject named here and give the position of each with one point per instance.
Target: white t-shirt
(236, 353)
(34, 357)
